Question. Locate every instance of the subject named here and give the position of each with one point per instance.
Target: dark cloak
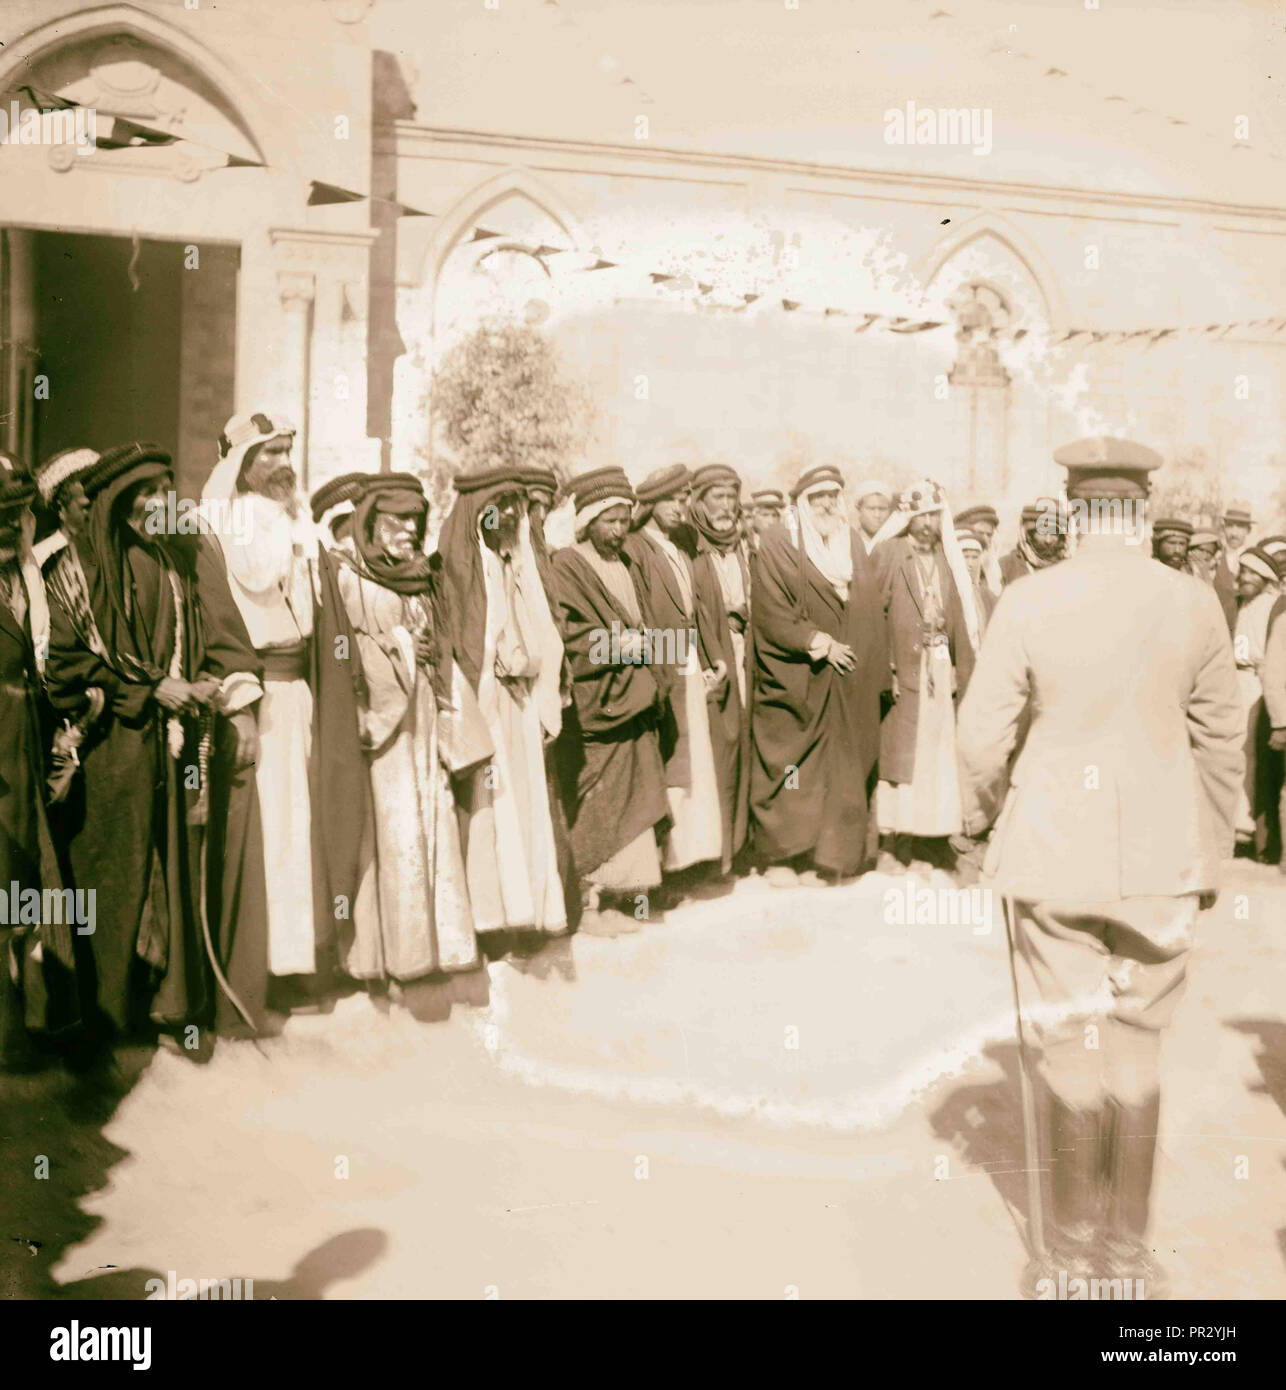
(815, 733)
(130, 840)
(609, 755)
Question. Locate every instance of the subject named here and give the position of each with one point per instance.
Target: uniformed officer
(1121, 807)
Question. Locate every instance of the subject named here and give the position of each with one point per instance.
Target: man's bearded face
(501, 519)
(827, 514)
(925, 529)
(671, 512)
(1046, 544)
(872, 512)
(270, 474)
(1235, 533)
(608, 530)
(394, 535)
(1172, 550)
(1249, 584)
(721, 503)
(766, 516)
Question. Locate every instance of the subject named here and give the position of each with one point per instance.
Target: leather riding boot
(1070, 1154)
(1128, 1159)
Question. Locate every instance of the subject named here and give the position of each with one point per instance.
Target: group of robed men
(295, 751)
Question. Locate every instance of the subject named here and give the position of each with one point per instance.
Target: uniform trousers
(1098, 982)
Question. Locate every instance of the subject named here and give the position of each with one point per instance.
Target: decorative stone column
(323, 280)
(980, 395)
(297, 292)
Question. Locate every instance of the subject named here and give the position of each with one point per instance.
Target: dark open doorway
(137, 340)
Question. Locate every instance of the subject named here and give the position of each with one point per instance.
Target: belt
(285, 663)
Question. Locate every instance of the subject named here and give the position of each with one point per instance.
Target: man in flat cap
(268, 547)
(983, 520)
(1120, 809)
(660, 546)
(610, 751)
(1273, 676)
(1039, 542)
(874, 502)
(1203, 563)
(821, 661)
(509, 649)
(1170, 538)
(145, 616)
(721, 567)
(766, 507)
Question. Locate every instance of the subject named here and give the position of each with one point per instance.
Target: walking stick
(1031, 1138)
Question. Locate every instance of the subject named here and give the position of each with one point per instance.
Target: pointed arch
(515, 181)
(129, 21)
(1022, 247)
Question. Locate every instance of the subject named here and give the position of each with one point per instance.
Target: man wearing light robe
(251, 502)
(507, 646)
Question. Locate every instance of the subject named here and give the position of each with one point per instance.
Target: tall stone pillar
(297, 291)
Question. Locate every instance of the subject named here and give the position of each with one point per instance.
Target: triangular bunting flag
(750, 298)
(48, 101)
(543, 250)
(790, 304)
(481, 234)
(704, 287)
(659, 277)
(862, 327)
(830, 313)
(236, 161)
(601, 264)
(323, 194)
(122, 134)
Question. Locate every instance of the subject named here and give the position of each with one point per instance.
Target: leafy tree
(500, 397)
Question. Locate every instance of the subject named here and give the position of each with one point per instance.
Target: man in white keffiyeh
(250, 497)
(928, 597)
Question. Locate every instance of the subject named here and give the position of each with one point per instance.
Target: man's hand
(174, 694)
(1277, 740)
(246, 731)
(841, 658)
(631, 646)
(206, 689)
(426, 649)
(716, 677)
(1207, 900)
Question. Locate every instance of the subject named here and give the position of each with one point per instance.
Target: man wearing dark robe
(722, 570)
(821, 661)
(610, 756)
(928, 600)
(36, 993)
(1203, 561)
(148, 619)
(659, 545)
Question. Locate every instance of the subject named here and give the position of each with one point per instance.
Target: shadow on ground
(983, 1121)
(1270, 1034)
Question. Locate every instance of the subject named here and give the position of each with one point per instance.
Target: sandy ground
(765, 1095)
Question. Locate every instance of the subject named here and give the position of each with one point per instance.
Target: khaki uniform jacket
(1127, 784)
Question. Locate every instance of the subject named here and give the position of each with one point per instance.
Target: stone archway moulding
(1023, 248)
(108, 21)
